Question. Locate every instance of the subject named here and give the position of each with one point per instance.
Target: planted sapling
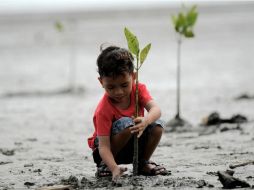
(183, 24)
(133, 45)
(72, 87)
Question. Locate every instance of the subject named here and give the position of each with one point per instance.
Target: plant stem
(73, 57)
(178, 82)
(72, 67)
(135, 153)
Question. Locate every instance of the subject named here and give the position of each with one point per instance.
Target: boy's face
(118, 88)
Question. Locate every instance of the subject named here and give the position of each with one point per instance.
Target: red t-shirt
(106, 113)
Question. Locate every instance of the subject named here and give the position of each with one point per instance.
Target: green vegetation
(183, 24)
(133, 45)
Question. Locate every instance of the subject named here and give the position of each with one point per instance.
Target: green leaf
(193, 8)
(177, 24)
(184, 29)
(189, 34)
(144, 53)
(180, 24)
(59, 26)
(192, 16)
(132, 41)
(174, 19)
(181, 19)
(184, 22)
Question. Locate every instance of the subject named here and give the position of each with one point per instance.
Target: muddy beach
(44, 127)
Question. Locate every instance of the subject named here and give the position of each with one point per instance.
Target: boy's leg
(120, 134)
(119, 141)
(153, 140)
(154, 133)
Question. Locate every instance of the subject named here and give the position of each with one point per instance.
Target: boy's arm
(154, 113)
(108, 158)
(105, 152)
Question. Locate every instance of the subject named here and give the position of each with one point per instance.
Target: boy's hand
(141, 124)
(117, 173)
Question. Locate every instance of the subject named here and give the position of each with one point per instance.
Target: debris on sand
(29, 184)
(244, 97)
(215, 119)
(128, 182)
(232, 166)
(28, 165)
(72, 181)
(37, 170)
(202, 183)
(137, 181)
(32, 139)
(216, 123)
(86, 183)
(212, 173)
(57, 187)
(7, 152)
(230, 182)
(186, 182)
(5, 162)
(227, 128)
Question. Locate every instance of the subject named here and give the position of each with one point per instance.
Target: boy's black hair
(114, 61)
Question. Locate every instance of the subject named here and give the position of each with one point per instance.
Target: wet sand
(43, 128)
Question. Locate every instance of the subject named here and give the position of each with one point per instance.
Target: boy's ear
(100, 80)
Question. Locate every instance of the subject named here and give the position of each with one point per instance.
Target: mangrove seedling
(133, 46)
(72, 63)
(183, 24)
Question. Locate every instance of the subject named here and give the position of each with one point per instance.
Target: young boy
(115, 126)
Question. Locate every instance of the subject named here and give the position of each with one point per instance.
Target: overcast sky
(37, 6)
(52, 5)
